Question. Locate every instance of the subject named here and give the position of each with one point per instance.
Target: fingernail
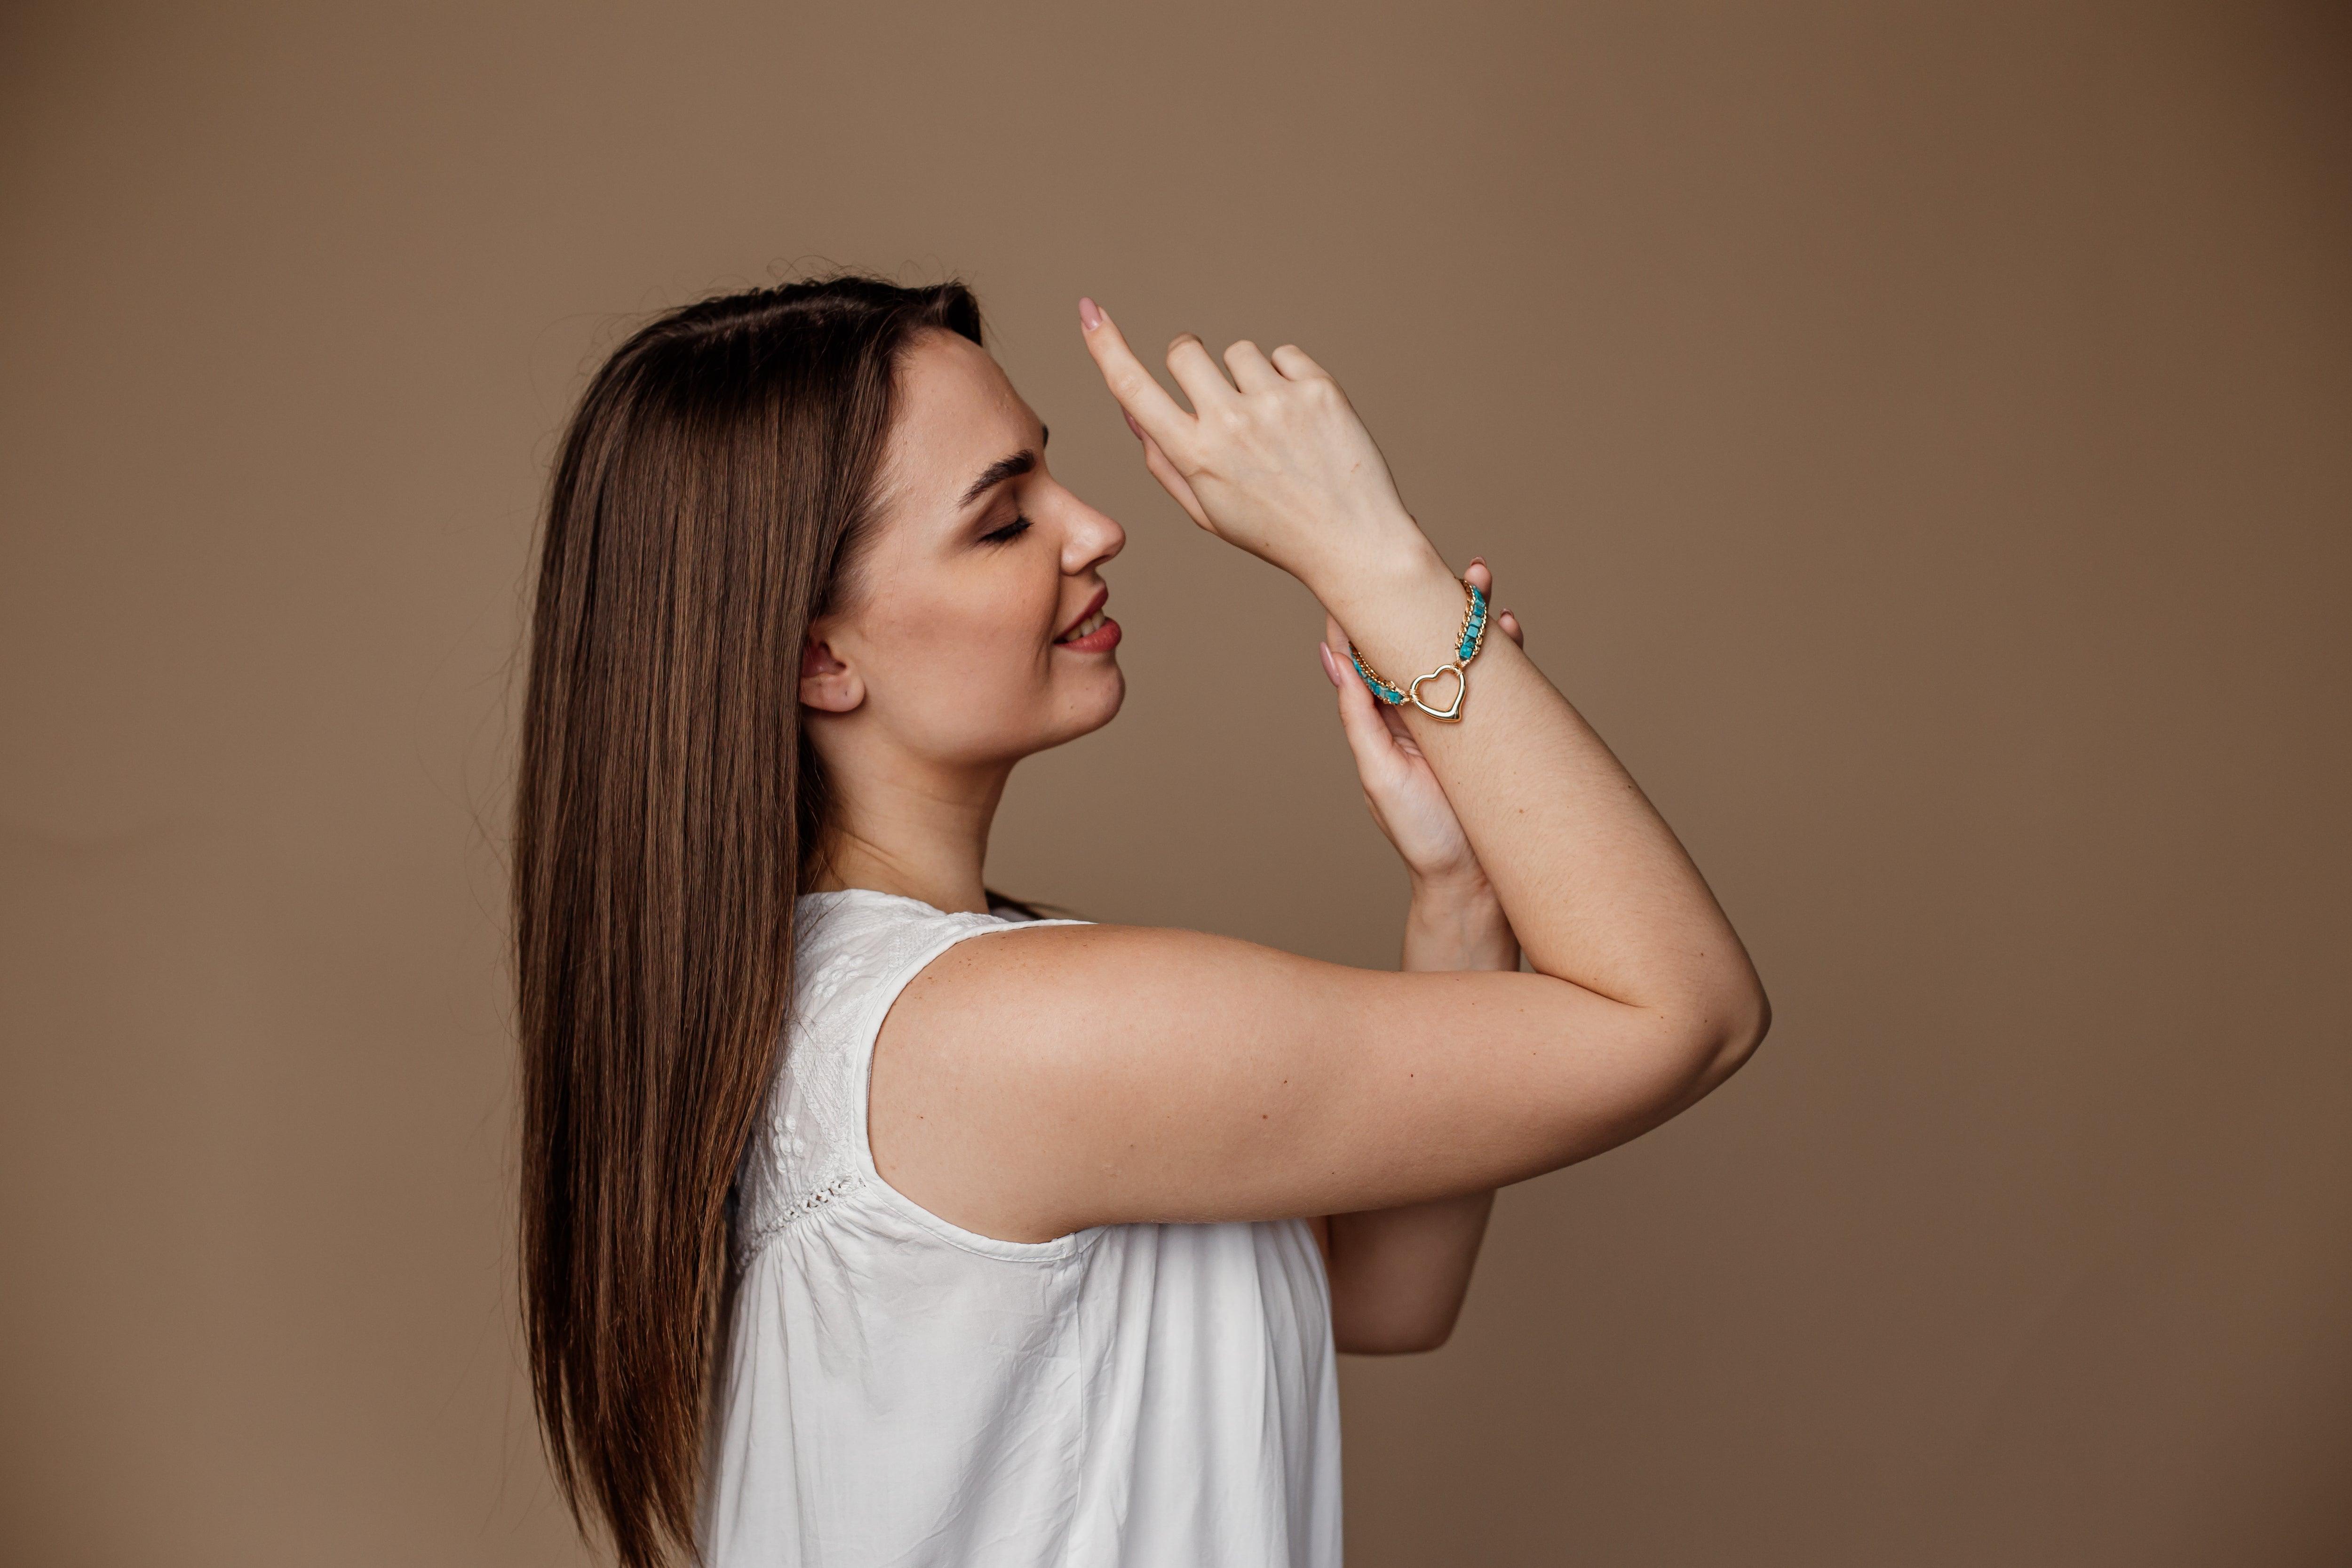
(1331, 662)
(1131, 425)
(1089, 313)
(1477, 560)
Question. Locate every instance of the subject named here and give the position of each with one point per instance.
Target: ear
(826, 683)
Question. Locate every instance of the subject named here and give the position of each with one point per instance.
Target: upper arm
(1047, 1079)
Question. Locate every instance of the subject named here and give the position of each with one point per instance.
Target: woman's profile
(851, 1238)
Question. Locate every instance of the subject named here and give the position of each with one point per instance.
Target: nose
(1089, 537)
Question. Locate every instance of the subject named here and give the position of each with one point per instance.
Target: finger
(1292, 361)
(1400, 736)
(1252, 371)
(1481, 576)
(1174, 482)
(1197, 374)
(1170, 478)
(1359, 713)
(1142, 398)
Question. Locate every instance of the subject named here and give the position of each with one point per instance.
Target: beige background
(1919, 435)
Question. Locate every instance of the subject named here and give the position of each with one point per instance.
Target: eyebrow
(1004, 468)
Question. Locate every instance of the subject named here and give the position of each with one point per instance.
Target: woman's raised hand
(1405, 798)
(1274, 460)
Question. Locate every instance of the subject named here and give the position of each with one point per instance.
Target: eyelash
(1008, 534)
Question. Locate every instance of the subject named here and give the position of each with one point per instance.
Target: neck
(919, 833)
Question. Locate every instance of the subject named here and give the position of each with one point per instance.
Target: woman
(849, 1240)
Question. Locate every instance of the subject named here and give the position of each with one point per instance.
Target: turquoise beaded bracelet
(1466, 648)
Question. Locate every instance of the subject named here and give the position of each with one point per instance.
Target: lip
(1101, 595)
(1102, 640)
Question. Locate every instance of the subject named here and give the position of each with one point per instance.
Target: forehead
(956, 414)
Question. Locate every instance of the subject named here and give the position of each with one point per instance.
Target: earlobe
(826, 683)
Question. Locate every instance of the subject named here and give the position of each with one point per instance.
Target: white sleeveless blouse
(896, 1390)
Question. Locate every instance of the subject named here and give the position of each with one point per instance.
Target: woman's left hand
(1403, 794)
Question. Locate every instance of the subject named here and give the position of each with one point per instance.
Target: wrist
(1453, 889)
(1383, 561)
(1404, 615)
(1458, 923)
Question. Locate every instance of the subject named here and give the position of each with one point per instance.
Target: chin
(1092, 709)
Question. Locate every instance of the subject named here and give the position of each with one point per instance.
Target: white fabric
(899, 1391)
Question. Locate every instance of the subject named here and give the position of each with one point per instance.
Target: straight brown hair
(708, 503)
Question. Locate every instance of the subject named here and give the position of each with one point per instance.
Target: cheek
(956, 670)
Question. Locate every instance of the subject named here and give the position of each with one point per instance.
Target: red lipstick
(1101, 638)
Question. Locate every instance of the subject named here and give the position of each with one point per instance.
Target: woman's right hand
(1274, 460)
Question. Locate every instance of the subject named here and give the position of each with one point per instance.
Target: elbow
(1708, 1034)
(1412, 1322)
(1415, 1340)
(1738, 1021)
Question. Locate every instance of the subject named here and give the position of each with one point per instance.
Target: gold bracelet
(1466, 648)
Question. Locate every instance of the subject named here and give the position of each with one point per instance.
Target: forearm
(1399, 1276)
(1591, 878)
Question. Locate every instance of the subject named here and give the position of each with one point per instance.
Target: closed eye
(1008, 534)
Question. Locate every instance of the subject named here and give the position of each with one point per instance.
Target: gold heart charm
(1460, 684)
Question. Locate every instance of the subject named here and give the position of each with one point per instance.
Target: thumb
(1172, 479)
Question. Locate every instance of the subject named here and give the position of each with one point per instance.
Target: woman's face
(976, 633)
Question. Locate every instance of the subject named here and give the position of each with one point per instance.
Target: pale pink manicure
(1089, 313)
(1331, 662)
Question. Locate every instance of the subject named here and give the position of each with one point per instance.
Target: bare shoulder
(1022, 1067)
(1054, 990)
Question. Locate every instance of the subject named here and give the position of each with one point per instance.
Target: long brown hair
(707, 504)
